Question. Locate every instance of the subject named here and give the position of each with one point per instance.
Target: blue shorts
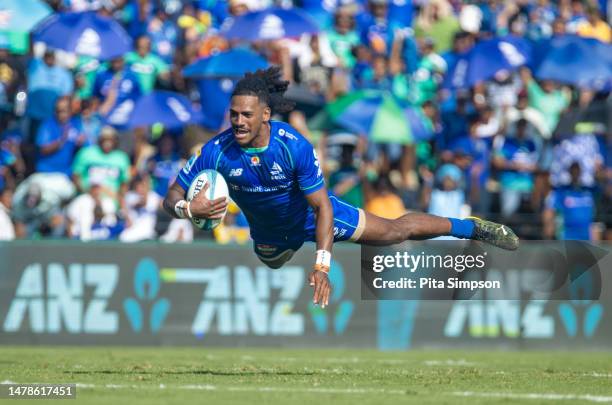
(349, 223)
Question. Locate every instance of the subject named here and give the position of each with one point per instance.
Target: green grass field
(255, 376)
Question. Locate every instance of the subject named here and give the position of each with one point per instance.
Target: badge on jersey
(191, 161)
(255, 161)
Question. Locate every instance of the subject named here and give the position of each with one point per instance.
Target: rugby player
(274, 176)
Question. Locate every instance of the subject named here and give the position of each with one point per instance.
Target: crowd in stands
(534, 154)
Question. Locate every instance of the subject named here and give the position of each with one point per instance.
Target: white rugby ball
(217, 188)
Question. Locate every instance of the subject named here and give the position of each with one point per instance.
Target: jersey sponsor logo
(316, 163)
(255, 161)
(264, 189)
(190, 163)
(286, 134)
(235, 172)
(276, 172)
(266, 249)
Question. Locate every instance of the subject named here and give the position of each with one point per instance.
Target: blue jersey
(269, 184)
(576, 206)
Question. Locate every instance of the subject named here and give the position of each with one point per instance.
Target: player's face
(247, 115)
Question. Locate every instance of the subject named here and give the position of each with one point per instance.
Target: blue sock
(461, 228)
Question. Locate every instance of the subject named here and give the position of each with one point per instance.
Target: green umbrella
(373, 113)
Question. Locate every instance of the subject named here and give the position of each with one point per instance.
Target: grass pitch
(256, 376)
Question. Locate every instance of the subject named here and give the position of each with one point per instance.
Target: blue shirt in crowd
(576, 206)
(61, 160)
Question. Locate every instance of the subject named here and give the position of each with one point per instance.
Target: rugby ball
(217, 188)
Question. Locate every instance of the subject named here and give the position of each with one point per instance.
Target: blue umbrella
(486, 59)
(172, 110)
(373, 113)
(271, 23)
(86, 34)
(22, 15)
(233, 63)
(421, 129)
(582, 62)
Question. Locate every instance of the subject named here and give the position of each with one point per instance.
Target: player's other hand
(322, 287)
(202, 207)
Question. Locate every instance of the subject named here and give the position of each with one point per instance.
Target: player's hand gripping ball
(209, 211)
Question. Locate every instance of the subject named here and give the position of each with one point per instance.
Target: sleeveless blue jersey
(268, 184)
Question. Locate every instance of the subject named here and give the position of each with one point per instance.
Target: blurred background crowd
(457, 108)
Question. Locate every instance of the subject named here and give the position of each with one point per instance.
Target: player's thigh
(379, 231)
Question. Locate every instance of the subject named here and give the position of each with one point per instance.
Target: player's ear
(267, 114)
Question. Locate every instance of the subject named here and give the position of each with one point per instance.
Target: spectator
(577, 16)
(117, 88)
(487, 124)
(374, 27)
(164, 165)
(314, 64)
(7, 229)
(85, 72)
(164, 34)
(436, 20)
(444, 195)
(382, 200)
(58, 139)
(455, 123)
(516, 157)
(147, 66)
(582, 148)
(424, 82)
(101, 229)
(142, 206)
(503, 90)
(46, 82)
(80, 213)
(11, 76)
(345, 182)
(378, 76)
(38, 202)
(522, 110)
(595, 27)
(91, 122)
(343, 37)
(575, 206)
(547, 99)
(103, 161)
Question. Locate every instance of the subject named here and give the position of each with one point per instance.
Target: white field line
(598, 375)
(549, 396)
(358, 391)
(449, 362)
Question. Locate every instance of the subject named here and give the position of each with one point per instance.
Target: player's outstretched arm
(200, 206)
(324, 232)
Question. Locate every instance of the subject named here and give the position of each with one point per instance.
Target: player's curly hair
(268, 86)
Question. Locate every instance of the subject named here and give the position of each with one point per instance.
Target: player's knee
(401, 230)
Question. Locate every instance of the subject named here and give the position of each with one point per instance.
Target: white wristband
(323, 258)
(181, 209)
(188, 206)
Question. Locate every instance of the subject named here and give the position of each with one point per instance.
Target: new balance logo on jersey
(235, 172)
(277, 172)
